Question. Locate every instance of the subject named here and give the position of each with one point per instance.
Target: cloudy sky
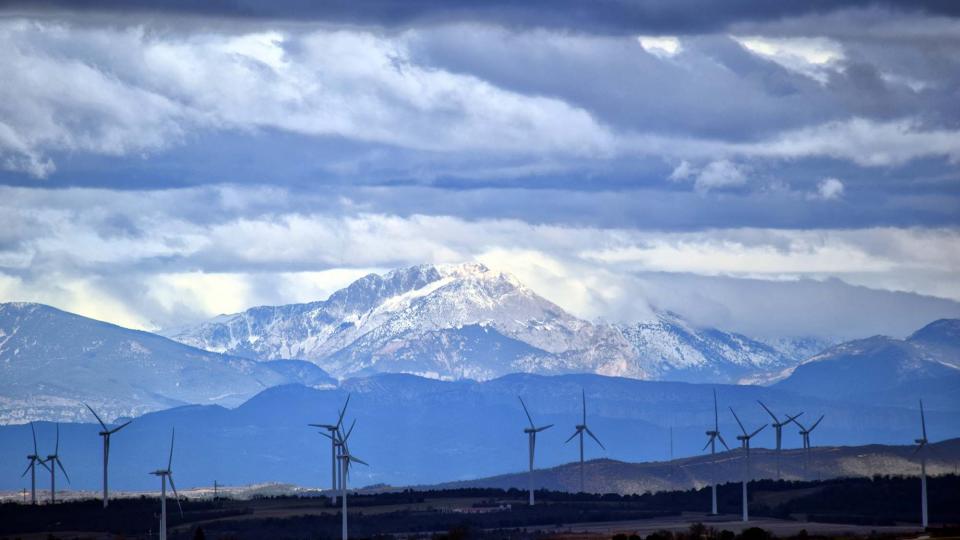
(780, 168)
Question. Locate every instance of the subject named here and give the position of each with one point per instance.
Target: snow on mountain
(457, 321)
(52, 361)
(889, 369)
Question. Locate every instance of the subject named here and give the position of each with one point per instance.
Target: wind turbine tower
(345, 459)
(714, 435)
(745, 444)
(334, 447)
(167, 474)
(805, 433)
(532, 443)
(580, 429)
(778, 428)
(32, 467)
(921, 444)
(106, 433)
(54, 462)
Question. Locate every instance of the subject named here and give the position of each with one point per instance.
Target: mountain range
(414, 430)
(442, 322)
(468, 321)
(52, 361)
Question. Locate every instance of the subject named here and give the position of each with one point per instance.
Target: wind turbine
(345, 459)
(532, 443)
(805, 433)
(334, 443)
(167, 474)
(106, 433)
(32, 467)
(745, 444)
(921, 443)
(778, 427)
(712, 443)
(54, 461)
(580, 429)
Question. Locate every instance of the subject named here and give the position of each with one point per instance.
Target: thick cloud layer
(171, 161)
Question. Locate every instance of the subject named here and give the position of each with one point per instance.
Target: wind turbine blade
(121, 426)
(56, 449)
(44, 463)
(343, 412)
(594, 437)
(792, 418)
(539, 429)
(25, 471)
(349, 431)
(358, 460)
(96, 416)
(723, 442)
(802, 429)
(708, 443)
(923, 421)
(526, 411)
(815, 424)
(743, 429)
(327, 435)
(175, 494)
(170, 461)
(757, 431)
(60, 463)
(34, 430)
(583, 395)
(575, 433)
(716, 417)
(768, 411)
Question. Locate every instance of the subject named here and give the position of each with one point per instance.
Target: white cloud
(829, 189)
(662, 46)
(124, 90)
(813, 57)
(682, 171)
(720, 174)
(130, 91)
(862, 141)
(139, 259)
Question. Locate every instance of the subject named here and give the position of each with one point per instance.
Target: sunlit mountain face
(468, 321)
(229, 217)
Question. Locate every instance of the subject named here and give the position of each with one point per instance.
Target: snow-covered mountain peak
(468, 320)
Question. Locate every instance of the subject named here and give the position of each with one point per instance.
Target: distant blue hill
(414, 430)
(883, 369)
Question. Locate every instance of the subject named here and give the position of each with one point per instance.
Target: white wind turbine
(778, 428)
(921, 445)
(580, 429)
(334, 446)
(345, 459)
(54, 462)
(167, 474)
(805, 433)
(532, 443)
(745, 444)
(714, 435)
(32, 467)
(106, 433)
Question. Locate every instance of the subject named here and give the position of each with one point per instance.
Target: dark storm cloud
(598, 16)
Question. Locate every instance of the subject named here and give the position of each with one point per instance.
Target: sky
(768, 167)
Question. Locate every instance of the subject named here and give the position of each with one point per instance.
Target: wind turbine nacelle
(921, 442)
(743, 438)
(529, 430)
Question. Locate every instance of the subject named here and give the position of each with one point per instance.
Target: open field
(860, 507)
